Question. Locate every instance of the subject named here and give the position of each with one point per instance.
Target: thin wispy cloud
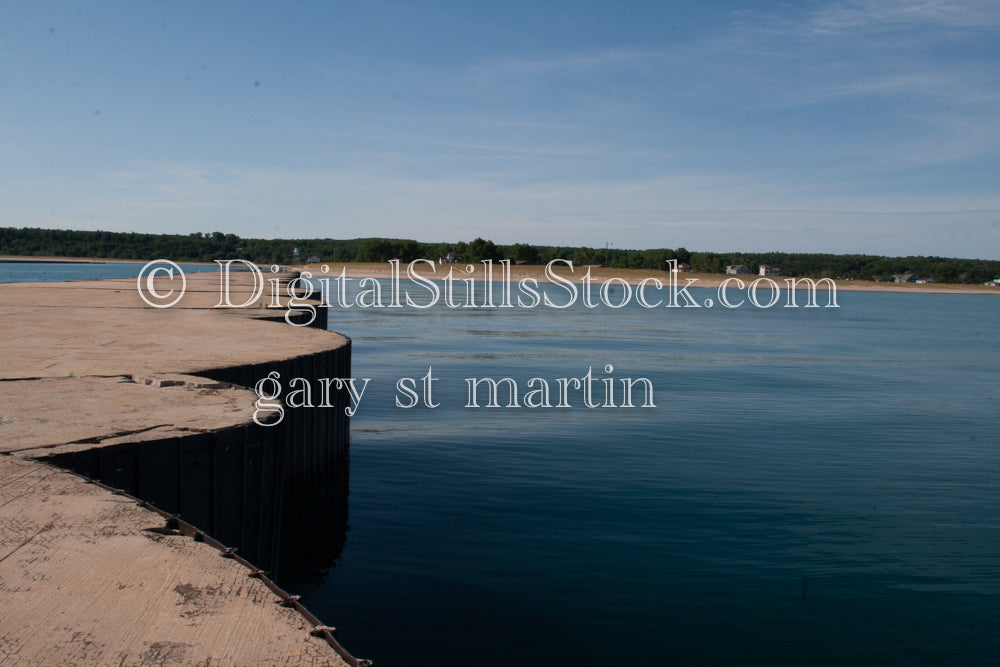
(668, 124)
(879, 15)
(607, 60)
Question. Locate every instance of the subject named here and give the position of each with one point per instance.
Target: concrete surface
(91, 578)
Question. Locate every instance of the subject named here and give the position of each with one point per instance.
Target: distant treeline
(200, 247)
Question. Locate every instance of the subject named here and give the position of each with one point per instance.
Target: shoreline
(382, 270)
(60, 259)
(359, 270)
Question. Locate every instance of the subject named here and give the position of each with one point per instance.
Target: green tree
(945, 273)
(707, 262)
(480, 250)
(377, 250)
(522, 252)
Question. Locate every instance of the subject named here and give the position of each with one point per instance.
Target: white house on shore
(682, 267)
(766, 270)
(736, 270)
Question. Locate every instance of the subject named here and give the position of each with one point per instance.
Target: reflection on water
(814, 486)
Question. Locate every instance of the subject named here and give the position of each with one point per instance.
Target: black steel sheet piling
(274, 492)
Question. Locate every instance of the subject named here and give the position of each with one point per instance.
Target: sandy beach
(631, 276)
(537, 272)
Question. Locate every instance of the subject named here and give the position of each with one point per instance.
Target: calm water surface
(46, 272)
(813, 486)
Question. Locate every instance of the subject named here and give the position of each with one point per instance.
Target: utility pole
(607, 248)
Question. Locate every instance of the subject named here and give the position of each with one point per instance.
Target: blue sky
(868, 127)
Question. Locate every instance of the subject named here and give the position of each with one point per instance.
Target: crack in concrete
(125, 378)
(96, 440)
(38, 532)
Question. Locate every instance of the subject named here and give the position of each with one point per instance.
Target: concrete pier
(162, 561)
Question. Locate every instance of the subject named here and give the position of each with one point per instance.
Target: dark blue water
(39, 272)
(814, 486)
